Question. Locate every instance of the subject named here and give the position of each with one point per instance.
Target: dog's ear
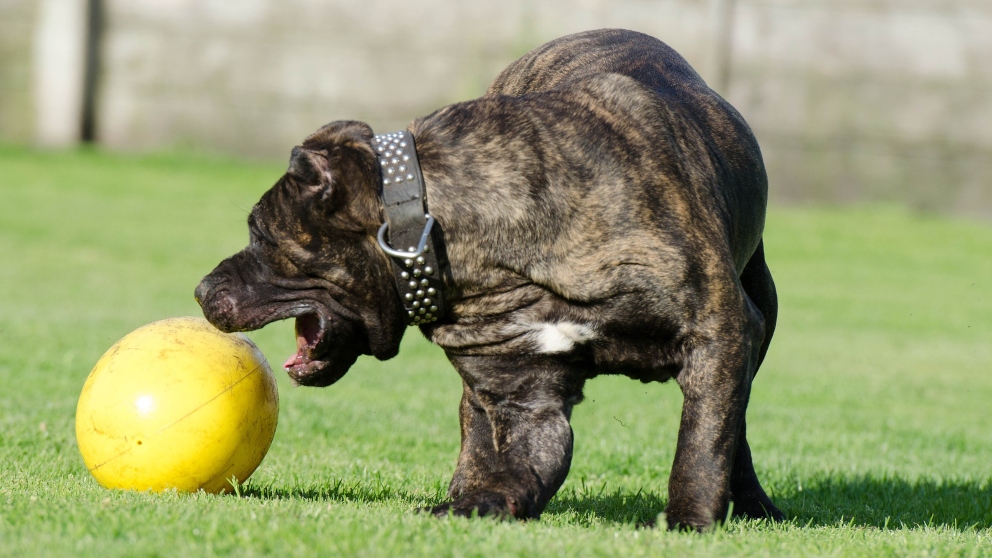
(306, 166)
(311, 163)
(311, 171)
(335, 172)
(343, 133)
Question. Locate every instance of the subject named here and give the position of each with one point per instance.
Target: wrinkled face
(312, 256)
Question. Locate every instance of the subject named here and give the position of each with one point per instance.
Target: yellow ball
(177, 404)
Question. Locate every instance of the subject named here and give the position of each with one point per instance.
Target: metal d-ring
(400, 253)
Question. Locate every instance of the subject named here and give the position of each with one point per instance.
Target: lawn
(870, 421)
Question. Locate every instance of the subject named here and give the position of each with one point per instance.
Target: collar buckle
(411, 253)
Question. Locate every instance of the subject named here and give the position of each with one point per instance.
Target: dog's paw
(477, 504)
(757, 507)
(688, 519)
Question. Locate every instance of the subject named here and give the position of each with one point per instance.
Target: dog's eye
(257, 239)
(256, 235)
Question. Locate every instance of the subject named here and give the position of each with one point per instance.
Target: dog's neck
(410, 244)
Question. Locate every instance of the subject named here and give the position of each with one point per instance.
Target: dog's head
(313, 256)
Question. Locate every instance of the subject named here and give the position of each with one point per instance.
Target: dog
(599, 210)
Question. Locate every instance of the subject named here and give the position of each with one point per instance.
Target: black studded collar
(408, 224)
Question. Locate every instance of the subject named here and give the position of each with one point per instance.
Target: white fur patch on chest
(561, 337)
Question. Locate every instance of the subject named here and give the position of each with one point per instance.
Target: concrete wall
(17, 113)
(878, 100)
(256, 76)
(852, 100)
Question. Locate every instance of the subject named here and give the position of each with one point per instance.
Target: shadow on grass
(340, 491)
(890, 503)
(884, 503)
(617, 506)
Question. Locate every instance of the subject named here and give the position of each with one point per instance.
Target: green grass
(870, 422)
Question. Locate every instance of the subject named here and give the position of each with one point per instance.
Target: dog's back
(582, 57)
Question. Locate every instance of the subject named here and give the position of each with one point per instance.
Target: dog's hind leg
(516, 440)
(750, 499)
(757, 282)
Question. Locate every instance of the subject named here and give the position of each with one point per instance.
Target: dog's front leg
(516, 440)
(716, 381)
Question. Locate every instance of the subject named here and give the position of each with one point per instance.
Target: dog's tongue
(293, 361)
(307, 337)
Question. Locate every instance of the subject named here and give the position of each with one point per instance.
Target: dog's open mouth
(324, 350)
(310, 332)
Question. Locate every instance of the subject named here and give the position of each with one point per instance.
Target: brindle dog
(600, 211)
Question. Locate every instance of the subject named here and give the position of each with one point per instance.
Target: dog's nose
(202, 291)
(219, 306)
